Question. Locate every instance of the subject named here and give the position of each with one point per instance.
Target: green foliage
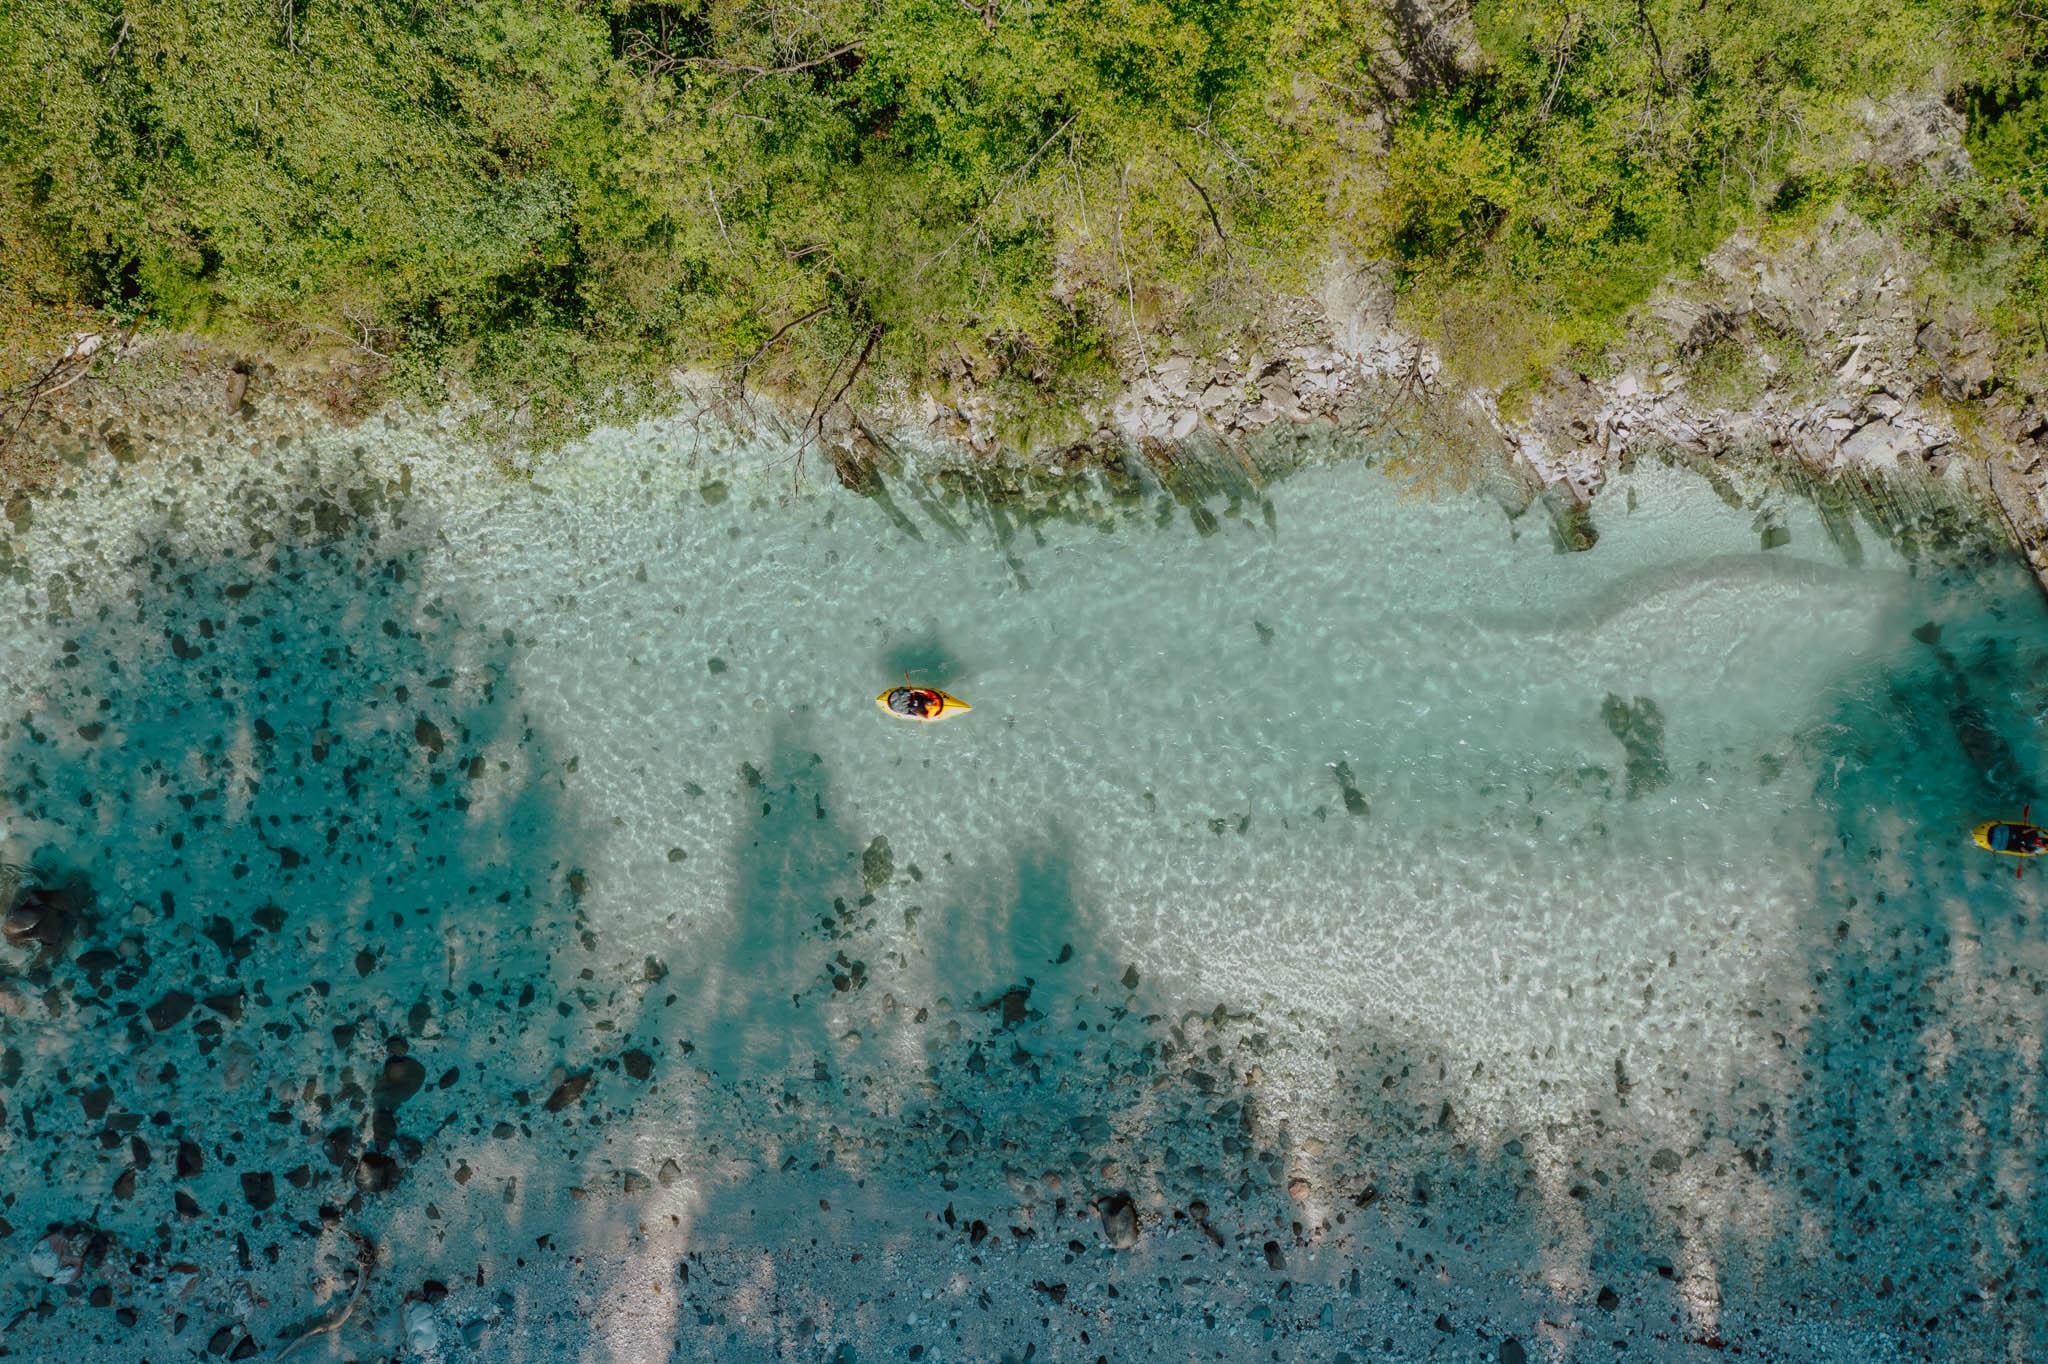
(557, 203)
(1601, 147)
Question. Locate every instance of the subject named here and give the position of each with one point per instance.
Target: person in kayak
(2026, 840)
(918, 703)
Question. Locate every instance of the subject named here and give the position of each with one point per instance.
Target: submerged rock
(877, 864)
(57, 1257)
(1640, 727)
(259, 1187)
(1119, 1220)
(35, 919)
(376, 1173)
(402, 1078)
(1355, 802)
(568, 1091)
(167, 1012)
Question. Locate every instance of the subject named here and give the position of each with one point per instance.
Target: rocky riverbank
(1823, 351)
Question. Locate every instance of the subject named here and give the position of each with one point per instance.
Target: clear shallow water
(1657, 850)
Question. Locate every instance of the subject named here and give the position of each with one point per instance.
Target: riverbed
(1346, 923)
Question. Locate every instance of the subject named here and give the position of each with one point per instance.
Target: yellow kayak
(2010, 839)
(920, 703)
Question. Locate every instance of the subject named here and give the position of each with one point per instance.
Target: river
(517, 872)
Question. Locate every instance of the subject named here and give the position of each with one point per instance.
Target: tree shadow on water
(331, 857)
(797, 883)
(1910, 1156)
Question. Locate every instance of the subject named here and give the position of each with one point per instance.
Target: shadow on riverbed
(330, 851)
(1910, 1155)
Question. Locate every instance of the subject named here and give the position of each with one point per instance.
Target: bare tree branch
(742, 68)
(1214, 221)
(777, 335)
(1643, 13)
(1563, 47)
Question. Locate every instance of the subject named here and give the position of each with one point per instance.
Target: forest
(553, 205)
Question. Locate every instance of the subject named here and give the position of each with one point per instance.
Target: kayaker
(915, 702)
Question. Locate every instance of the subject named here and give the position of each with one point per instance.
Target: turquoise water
(1610, 915)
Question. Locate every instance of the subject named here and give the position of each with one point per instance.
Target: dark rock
(1276, 1259)
(95, 1101)
(1608, 1299)
(638, 1063)
(1511, 1352)
(402, 1078)
(428, 735)
(259, 1187)
(1119, 1220)
(1665, 1161)
(1354, 802)
(568, 1092)
(1928, 633)
(877, 864)
(191, 1161)
(167, 1011)
(36, 918)
(1014, 1004)
(376, 1173)
(1130, 977)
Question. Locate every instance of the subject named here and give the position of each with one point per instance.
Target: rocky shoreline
(1814, 354)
